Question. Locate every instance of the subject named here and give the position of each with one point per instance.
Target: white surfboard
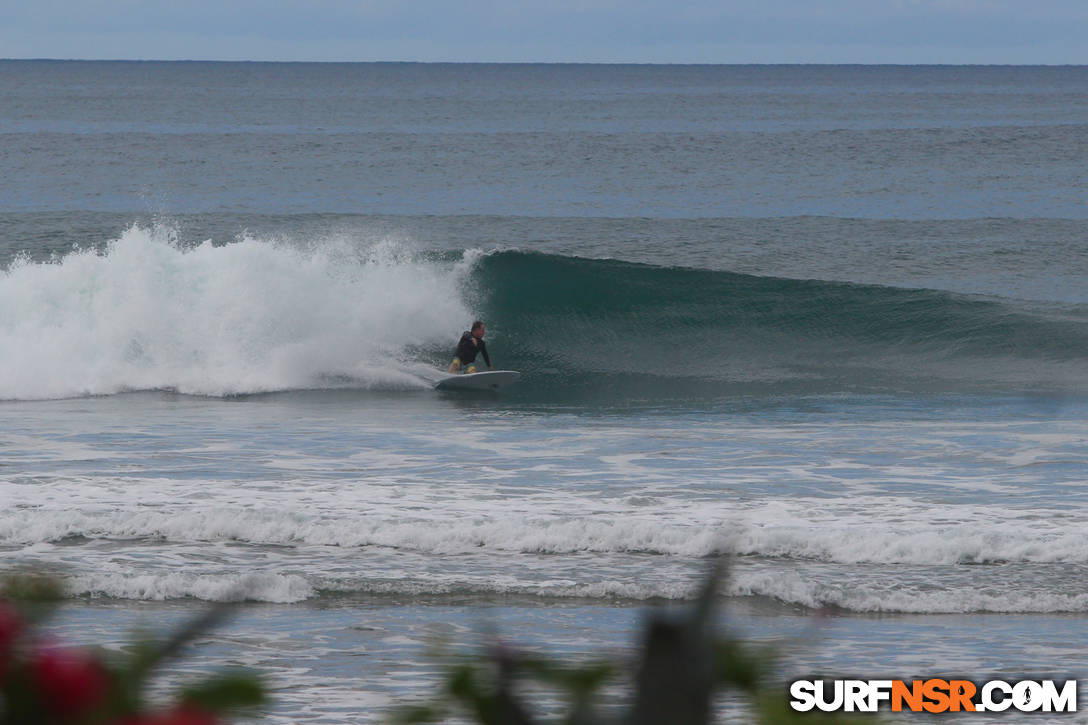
(489, 380)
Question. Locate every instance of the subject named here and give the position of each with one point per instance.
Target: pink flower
(70, 682)
(11, 624)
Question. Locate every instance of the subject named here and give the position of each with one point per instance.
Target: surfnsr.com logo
(933, 695)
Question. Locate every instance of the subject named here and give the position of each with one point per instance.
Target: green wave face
(605, 328)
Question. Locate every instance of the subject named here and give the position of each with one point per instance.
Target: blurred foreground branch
(684, 666)
(46, 683)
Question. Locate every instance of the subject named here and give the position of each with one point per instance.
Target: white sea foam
(860, 594)
(934, 596)
(352, 503)
(855, 531)
(254, 586)
(249, 316)
(541, 549)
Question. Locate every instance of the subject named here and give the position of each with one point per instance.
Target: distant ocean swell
(256, 316)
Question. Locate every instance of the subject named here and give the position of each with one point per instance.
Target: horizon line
(547, 62)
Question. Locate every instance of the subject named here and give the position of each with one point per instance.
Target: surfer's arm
(483, 351)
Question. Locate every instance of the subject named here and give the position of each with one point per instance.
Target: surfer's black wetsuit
(466, 351)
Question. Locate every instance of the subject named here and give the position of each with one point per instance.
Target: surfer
(472, 342)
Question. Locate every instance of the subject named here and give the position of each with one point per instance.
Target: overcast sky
(633, 31)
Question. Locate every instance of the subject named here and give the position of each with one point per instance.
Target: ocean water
(829, 321)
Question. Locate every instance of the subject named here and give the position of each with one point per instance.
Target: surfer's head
(478, 329)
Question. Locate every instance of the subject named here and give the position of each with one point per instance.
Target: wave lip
(627, 327)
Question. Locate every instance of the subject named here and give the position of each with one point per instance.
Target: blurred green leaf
(740, 666)
(34, 596)
(226, 692)
(414, 714)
